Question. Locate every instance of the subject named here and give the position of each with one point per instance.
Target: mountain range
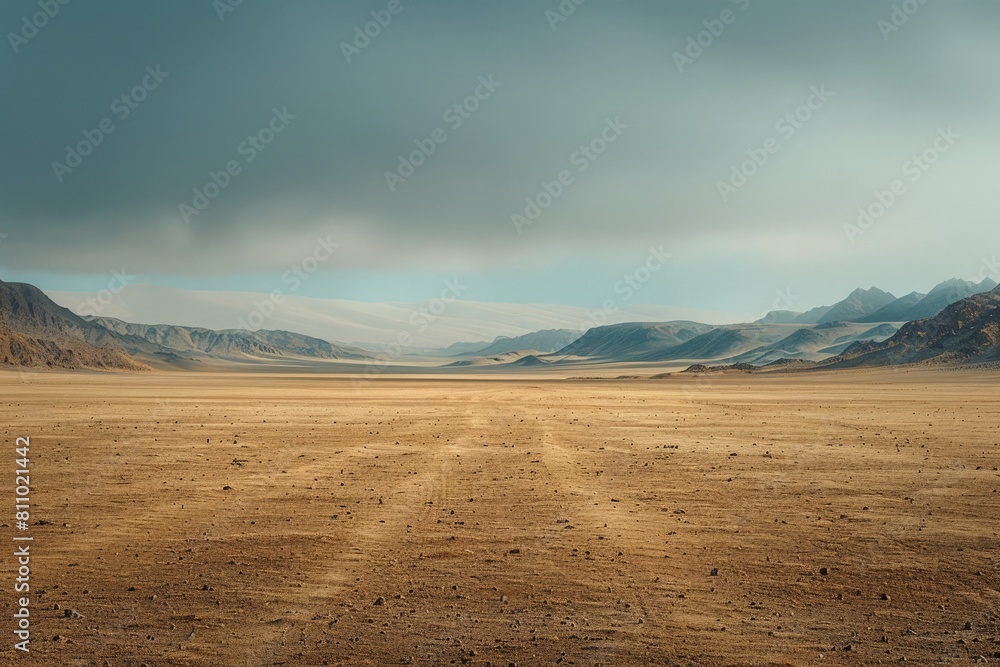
(955, 322)
(231, 343)
(874, 305)
(36, 332)
(966, 331)
(425, 325)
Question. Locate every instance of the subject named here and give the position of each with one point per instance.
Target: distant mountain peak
(859, 304)
(965, 331)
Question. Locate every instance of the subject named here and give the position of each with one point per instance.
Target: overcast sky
(675, 129)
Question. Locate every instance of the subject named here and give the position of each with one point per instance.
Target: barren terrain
(269, 519)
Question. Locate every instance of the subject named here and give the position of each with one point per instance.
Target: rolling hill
(545, 341)
(814, 344)
(233, 343)
(634, 340)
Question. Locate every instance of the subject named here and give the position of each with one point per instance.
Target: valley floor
(242, 519)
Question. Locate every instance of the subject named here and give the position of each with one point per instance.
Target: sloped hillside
(966, 331)
(634, 340)
(37, 333)
(232, 343)
(28, 351)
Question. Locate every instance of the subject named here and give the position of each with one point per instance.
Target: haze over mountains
(36, 332)
(545, 341)
(955, 321)
(874, 305)
(232, 343)
(429, 325)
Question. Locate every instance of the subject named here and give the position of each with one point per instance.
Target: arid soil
(228, 519)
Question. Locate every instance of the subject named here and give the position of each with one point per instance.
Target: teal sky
(547, 88)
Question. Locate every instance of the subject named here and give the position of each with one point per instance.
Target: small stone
(379, 602)
(714, 572)
(885, 596)
(823, 571)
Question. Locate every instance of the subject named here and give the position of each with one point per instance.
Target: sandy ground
(213, 519)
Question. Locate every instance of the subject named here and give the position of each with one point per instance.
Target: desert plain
(840, 518)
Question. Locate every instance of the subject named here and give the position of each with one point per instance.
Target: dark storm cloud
(347, 123)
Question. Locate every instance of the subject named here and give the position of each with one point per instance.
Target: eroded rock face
(37, 333)
(965, 331)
